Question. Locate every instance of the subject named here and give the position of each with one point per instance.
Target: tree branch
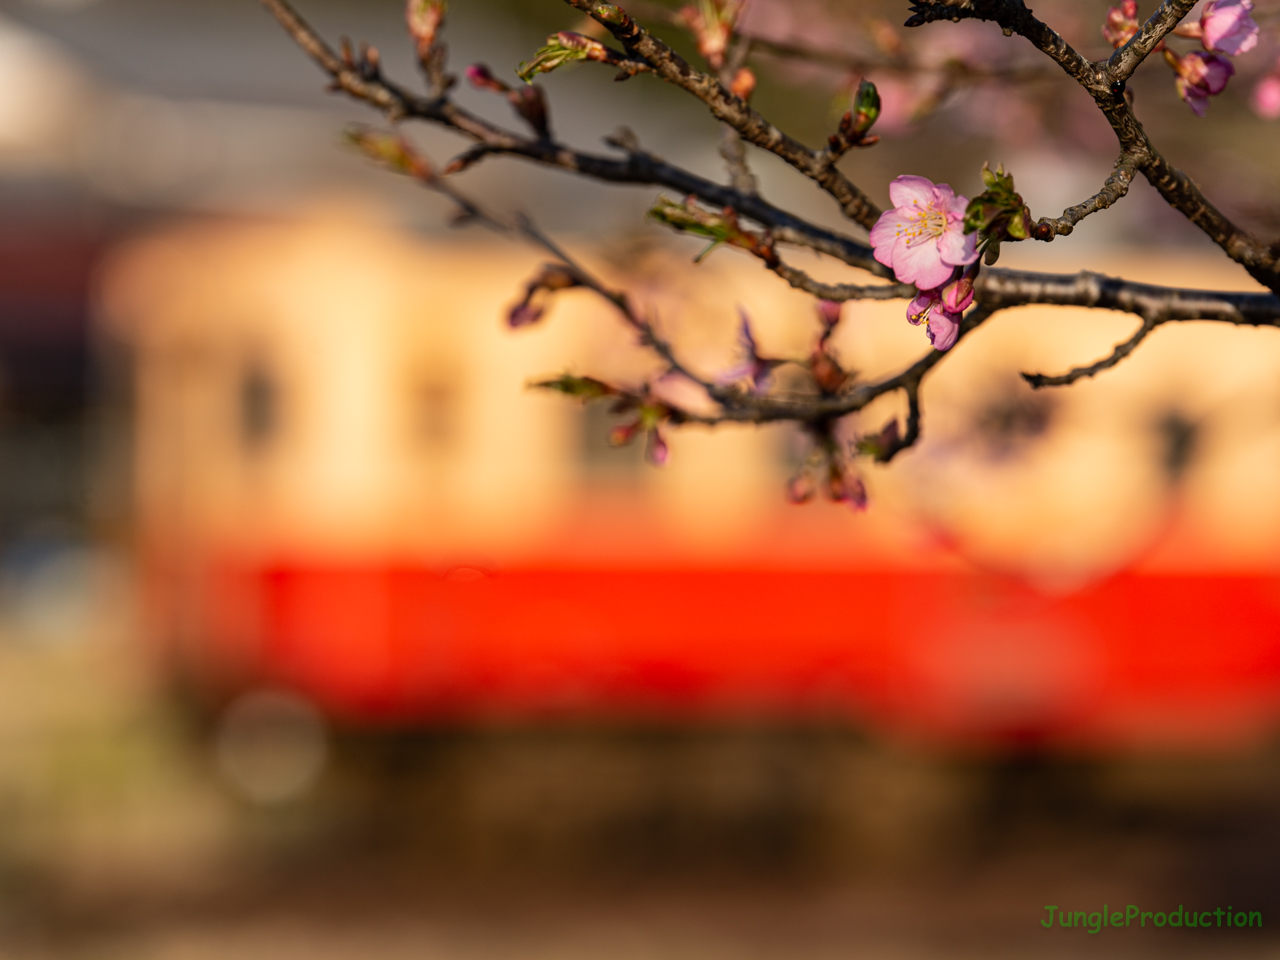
(1122, 350)
(1126, 59)
(1012, 17)
(1115, 187)
(1179, 190)
(754, 128)
(639, 167)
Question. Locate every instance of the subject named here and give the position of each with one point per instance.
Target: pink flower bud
(801, 488)
(523, 314)
(658, 452)
(958, 294)
(483, 79)
(829, 312)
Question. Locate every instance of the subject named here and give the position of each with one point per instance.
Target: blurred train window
(259, 406)
(436, 414)
(601, 459)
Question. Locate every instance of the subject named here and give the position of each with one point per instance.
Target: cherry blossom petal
(907, 191)
(943, 329)
(1195, 97)
(887, 233)
(1226, 26)
(919, 308)
(958, 248)
(919, 263)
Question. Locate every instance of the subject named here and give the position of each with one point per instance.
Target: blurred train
(345, 489)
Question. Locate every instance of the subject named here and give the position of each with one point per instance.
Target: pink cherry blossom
(922, 238)
(943, 328)
(1200, 76)
(942, 325)
(752, 367)
(1266, 97)
(940, 308)
(1226, 27)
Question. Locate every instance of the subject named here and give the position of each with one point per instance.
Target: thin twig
(1126, 59)
(730, 109)
(1116, 186)
(1122, 350)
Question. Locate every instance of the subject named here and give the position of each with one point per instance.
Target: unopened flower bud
(424, 19)
(845, 486)
(865, 108)
(523, 314)
(556, 276)
(623, 434)
(801, 487)
(744, 84)
(482, 78)
(530, 103)
(658, 452)
(829, 312)
(826, 372)
(609, 13)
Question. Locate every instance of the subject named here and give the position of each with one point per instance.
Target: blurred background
(321, 634)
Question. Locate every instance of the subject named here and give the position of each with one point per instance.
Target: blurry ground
(118, 837)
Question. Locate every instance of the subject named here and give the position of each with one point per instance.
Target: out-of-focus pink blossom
(523, 315)
(922, 238)
(829, 312)
(1201, 76)
(752, 367)
(801, 487)
(658, 452)
(845, 486)
(1226, 27)
(1266, 97)
(1122, 23)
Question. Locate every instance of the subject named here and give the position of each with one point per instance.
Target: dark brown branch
(1012, 17)
(1178, 190)
(957, 71)
(639, 167)
(730, 109)
(995, 289)
(841, 291)
(1122, 350)
(1126, 59)
(1001, 289)
(1115, 187)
